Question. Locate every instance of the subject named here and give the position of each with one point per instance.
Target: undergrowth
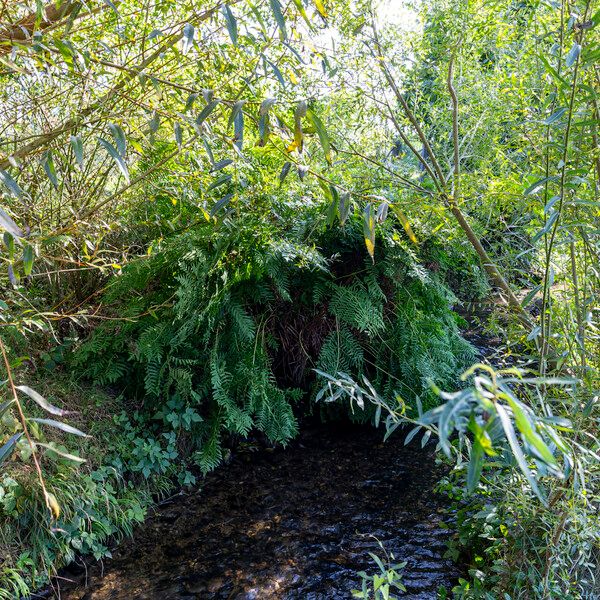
(101, 500)
(220, 330)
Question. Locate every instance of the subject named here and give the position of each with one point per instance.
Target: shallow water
(285, 524)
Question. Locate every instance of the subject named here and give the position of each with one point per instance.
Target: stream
(285, 524)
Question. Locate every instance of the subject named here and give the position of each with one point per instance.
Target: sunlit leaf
(528, 432)
(299, 114)
(9, 225)
(41, 401)
(302, 11)
(405, 223)
(62, 426)
(517, 451)
(53, 505)
(61, 453)
(321, 8)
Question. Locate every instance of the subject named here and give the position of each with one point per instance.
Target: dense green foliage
(215, 214)
(235, 318)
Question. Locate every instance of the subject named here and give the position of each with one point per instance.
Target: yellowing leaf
(321, 8)
(53, 505)
(369, 230)
(405, 223)
(299, 114)
(293, 77)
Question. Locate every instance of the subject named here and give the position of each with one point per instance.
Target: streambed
(285, 524)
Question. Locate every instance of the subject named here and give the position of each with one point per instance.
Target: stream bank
(285, 524)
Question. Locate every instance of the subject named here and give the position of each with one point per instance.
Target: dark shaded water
(285, 524)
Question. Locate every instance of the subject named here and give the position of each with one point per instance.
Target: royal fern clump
(228, 325)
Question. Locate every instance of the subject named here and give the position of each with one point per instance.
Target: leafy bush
(220, 329)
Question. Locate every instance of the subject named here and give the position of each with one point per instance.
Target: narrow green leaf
(369, 230)
(119, 137)
(530, 295)
(231, 23)
(5, 406)
(517, 451)
(190, 101)
(9, 242)
(221, 164)
(27, 259)
(235, 111)
(263, 121)
(300, 8)
(114, 154)
(546, 228)
(537, 186)
(66, 455)
(411, 434)
(77, 146)
(284, 171)
(220, 204)
(555, 116)
(573, 54)
(238, 130)
(50, 169)
(11, 185)
(205, 112)
(345, 205)
(8, 446)
(332, 212)
(529, 433)
(322, 133)
(276, 72)
(154, 122)
(279, 18)
(178, 135)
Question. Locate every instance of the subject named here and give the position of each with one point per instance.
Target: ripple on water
(285, 524)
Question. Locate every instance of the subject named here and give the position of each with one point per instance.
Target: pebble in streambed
(293, 523)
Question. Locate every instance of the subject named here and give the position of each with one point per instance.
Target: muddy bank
(284, 523)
